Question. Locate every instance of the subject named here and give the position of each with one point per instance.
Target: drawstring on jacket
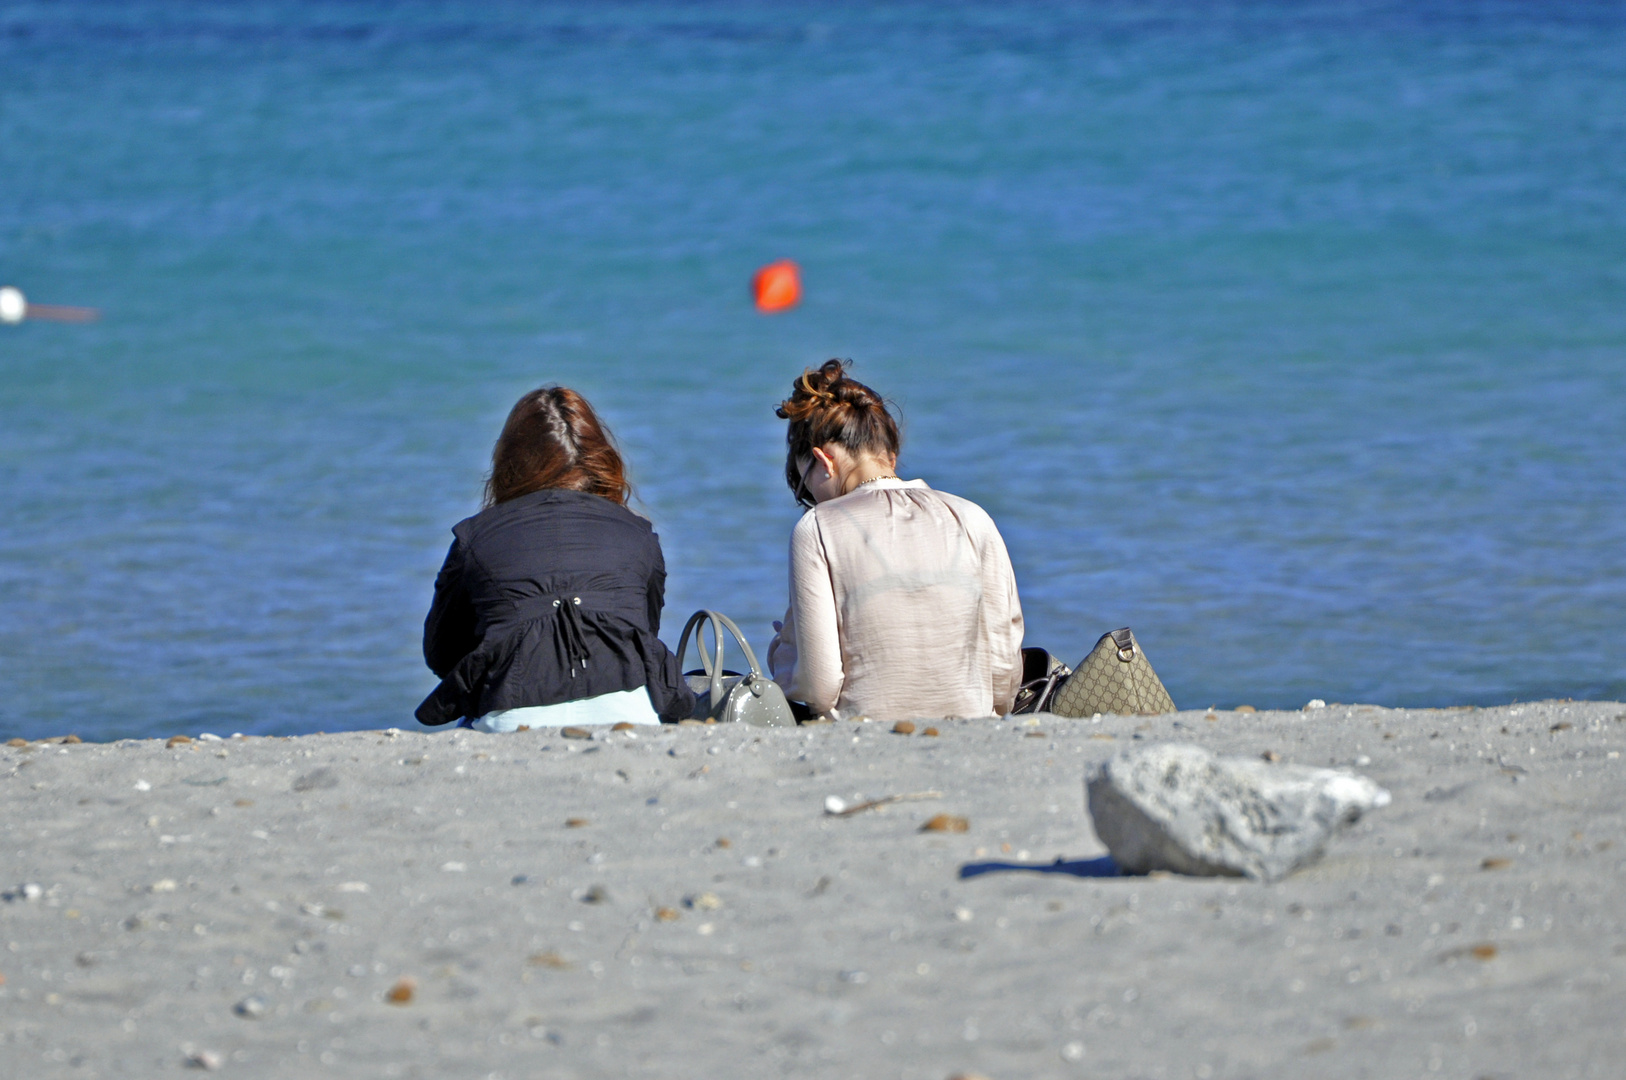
(571, 631)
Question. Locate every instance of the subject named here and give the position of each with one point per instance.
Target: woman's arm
(816, 676)
(782, 651)
(1003, 624)
(668, 693)
(655, 594)
(448, 632)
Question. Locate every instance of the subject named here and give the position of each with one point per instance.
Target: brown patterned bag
(1115, 678)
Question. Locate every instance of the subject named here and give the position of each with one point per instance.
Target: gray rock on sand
(1174, 806)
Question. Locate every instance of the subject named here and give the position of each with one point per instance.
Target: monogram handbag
(728, 696)
(1115, 678)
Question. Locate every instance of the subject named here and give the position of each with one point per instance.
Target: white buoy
(13, 305)
(14, 308)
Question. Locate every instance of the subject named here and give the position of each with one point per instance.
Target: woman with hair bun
(903, 603)
(548, 608)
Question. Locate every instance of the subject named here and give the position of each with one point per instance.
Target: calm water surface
(1293, 336)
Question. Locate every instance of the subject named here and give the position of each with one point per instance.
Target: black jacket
(553, 596)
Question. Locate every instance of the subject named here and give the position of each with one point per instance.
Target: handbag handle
(714, 670)
(1125, 642)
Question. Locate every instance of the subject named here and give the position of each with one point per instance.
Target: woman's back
(551, 542)
(903, 605)
(552, 594)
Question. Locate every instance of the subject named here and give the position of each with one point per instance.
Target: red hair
(554, 440)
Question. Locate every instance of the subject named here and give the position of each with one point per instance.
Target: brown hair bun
(554, 440)
(826, 406)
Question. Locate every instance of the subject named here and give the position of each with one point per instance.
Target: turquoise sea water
(1292, 335)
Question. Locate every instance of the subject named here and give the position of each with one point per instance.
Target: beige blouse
(902, 606)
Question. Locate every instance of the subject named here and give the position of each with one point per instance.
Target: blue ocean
(1292, 335)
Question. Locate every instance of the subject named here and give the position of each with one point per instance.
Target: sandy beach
(677, 902)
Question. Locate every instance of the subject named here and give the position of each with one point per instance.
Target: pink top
(902, 606)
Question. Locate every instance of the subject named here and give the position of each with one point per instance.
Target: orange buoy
(777, 286)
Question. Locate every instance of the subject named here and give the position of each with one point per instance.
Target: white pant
(618, 707)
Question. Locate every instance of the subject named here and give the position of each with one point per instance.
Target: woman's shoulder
(960, 502)
(555, 509)
(919, 490)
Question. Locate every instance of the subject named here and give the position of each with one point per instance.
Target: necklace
(873, 479)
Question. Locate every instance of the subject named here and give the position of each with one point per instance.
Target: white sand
(175, 883)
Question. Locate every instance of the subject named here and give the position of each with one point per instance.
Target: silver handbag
(727, 696)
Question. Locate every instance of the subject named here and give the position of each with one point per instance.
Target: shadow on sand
(1098, 867)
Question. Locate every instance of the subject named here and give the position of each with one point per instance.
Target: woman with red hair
(548, 608)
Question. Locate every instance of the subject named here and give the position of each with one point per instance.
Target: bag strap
(750, 657)
(1125, 641)
(714, 670)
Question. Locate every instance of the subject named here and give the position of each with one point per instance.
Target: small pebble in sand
(142, 785)
(162, 885)
(452, 868)
(575, 822)
(550, 959)
(596, 894)
(401, 993)
(353, 886)
(575, 733)
(623, 726)
(16, 742)
(1073, 1051)
(968, 1076)
(723, 842)
(666, 914)
(1496, 863)
(1562, 725)
(71, 740)
(250, 1008)
(1484, 951)
(207, 737)
(946, 823)
(903, 727)
(1036, 735)
(706, 901)
(1313, 704)
(204, 1059)
(930, 733)
(177, 740)
(1244, 708)
(1270, 756)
